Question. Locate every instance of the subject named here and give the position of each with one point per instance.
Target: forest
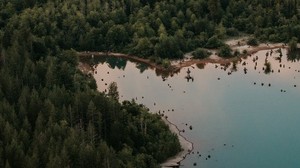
(51, 114)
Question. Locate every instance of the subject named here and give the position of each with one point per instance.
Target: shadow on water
(201, 66)
(294, 56)
(119, 63)
(142, 67)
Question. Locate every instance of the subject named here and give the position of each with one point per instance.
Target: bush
(201, 53)
(236, 53)
(214, 42)
(252, 42)
(232, 32)
(293, 44)
(225, 51)
(166, 63)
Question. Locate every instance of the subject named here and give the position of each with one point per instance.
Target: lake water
(236, 122)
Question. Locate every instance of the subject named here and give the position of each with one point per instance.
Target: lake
(235, 119)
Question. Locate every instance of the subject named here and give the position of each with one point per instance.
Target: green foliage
(225, 51)
(214, 42)
(167, 47)
(143, 48)
(252, 41)
(113, 91)
(138, 26)
(166, 63)
(293, 53)
(201, 53)
(51, 114)
(293, 44)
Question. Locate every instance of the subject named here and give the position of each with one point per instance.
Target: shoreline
(176, 66)
(186, 145)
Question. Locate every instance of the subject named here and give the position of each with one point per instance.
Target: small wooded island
(51, 114)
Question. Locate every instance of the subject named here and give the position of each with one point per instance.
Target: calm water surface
(236, 122)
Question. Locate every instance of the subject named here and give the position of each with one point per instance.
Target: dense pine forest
(51, 114)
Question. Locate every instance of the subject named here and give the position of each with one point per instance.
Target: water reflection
(294, 56)
(238, 113)
(201, 65)
(120, 63)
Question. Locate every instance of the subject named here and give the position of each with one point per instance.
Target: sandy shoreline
(186, 145)
(177, 65)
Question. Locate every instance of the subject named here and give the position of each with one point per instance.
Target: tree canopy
(51, 114)
(144, 28)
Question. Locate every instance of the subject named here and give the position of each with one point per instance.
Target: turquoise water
(235, 123)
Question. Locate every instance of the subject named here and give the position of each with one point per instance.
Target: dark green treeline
(50, 113)
(145, 27)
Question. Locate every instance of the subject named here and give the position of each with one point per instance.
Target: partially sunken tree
(267, 67)
(293, 44)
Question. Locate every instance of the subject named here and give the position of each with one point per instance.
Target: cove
(237, 115)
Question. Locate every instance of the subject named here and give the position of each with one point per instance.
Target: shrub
(225, 51)
(214, 42)
(236, 53)
(166, 63)
(252, 42)
(201, 53)
(232, 32)
(293, 44)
